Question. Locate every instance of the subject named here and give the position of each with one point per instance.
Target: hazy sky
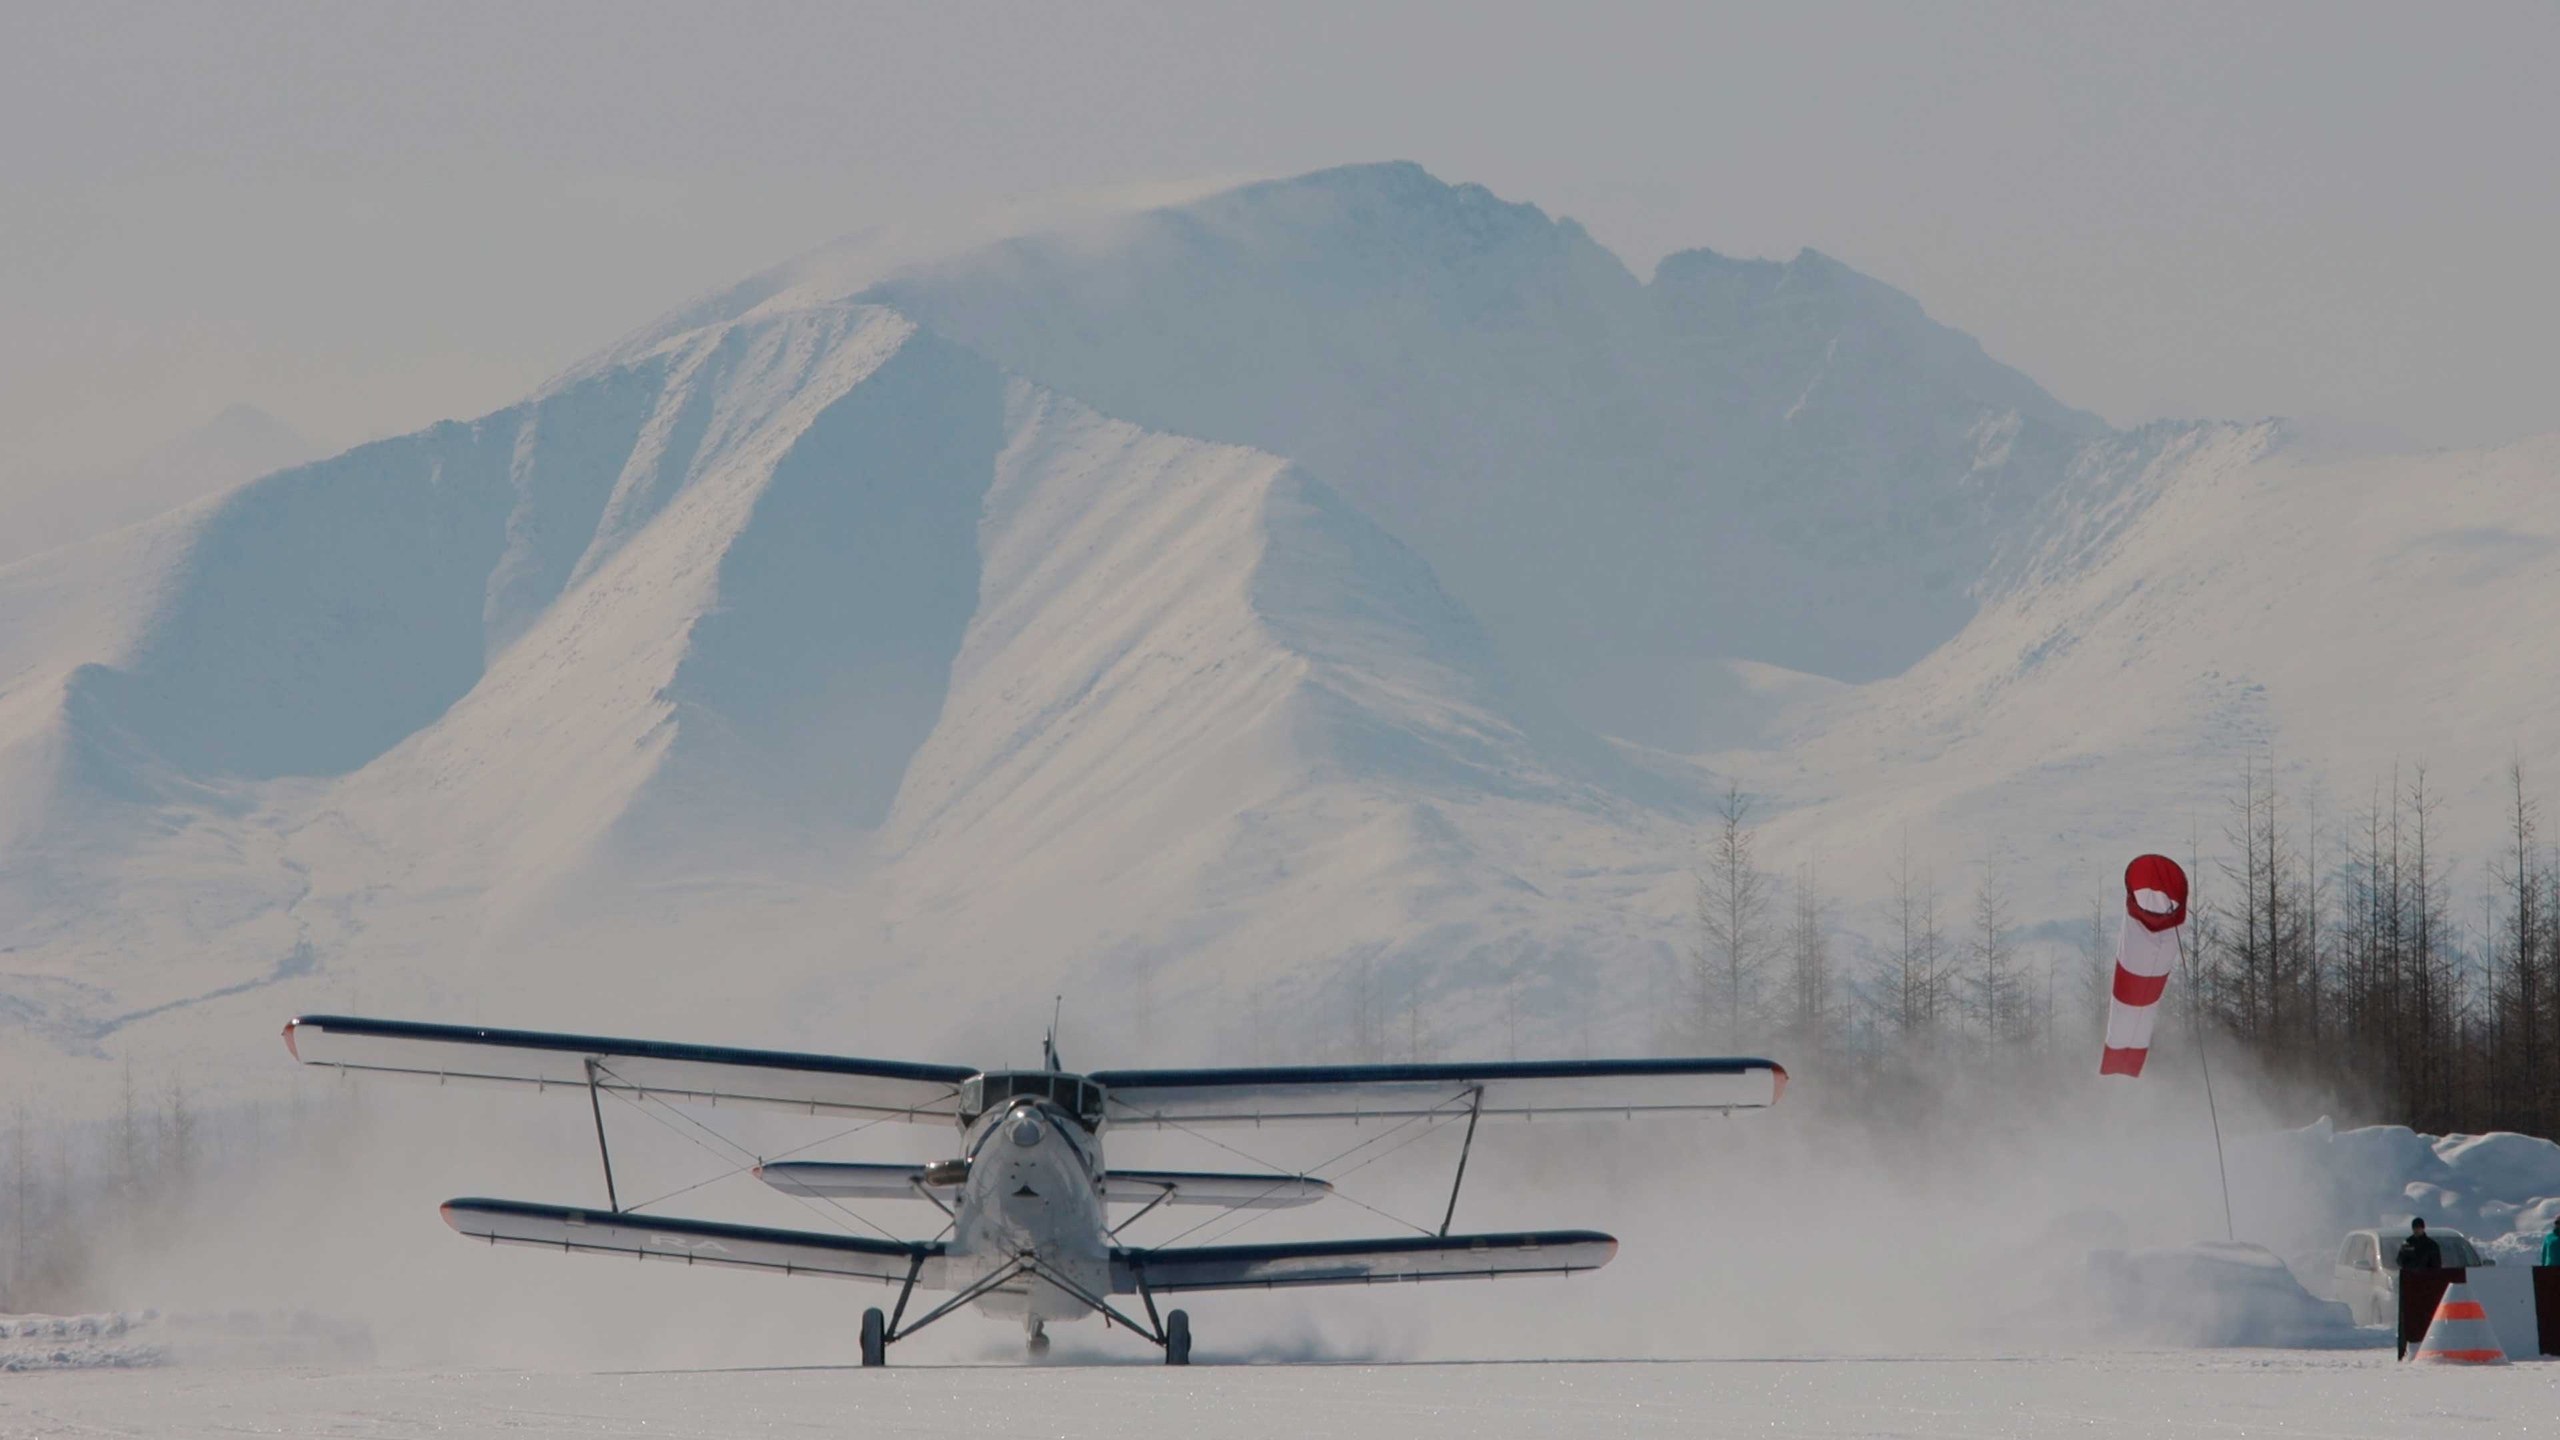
(368, 218)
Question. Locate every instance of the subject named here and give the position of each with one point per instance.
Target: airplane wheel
(1177, 1337)
(875, 1337)
(1039, 1343)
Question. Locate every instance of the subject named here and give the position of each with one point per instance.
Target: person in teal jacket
(2551, 1244)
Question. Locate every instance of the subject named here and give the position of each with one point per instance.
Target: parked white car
(2369, 1264)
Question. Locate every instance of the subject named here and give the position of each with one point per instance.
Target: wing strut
(1475, 1112)
(1162, 1196)
(993, 1279)
(596, 1108)
(906, 1292)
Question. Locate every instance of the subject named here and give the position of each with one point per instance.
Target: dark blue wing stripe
(640, 1049)
(1440, 1074)
(1361, 1262)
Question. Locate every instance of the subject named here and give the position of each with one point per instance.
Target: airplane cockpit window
(1077, 1096)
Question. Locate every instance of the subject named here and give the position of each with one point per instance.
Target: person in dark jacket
(2420, 1251)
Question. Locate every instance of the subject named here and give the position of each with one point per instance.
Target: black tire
(1039, 1343)
(1177, 1337)
(875, 1337)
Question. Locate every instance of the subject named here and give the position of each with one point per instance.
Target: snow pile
(127, 1340)
(115, 1341)
(2213, 1295)
(2500, 1189)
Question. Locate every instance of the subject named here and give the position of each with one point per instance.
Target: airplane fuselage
(1034, 1191)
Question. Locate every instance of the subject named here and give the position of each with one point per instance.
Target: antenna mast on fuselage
(1049, 1042)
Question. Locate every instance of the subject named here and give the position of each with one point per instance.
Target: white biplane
(1028, 1230)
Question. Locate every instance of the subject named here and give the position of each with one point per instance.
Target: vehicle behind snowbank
(2369, 1266)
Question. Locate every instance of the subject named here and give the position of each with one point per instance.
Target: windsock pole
(2195, 1021)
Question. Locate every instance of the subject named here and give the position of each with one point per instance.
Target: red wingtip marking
(290, 1048)
(1778, 1091)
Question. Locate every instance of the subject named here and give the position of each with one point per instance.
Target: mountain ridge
(836, 644)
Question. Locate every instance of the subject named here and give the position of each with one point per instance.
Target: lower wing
(1360, 1262)
(695, 1242)
(819, 1178)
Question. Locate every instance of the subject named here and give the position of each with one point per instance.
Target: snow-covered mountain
(1625, 480)
(813, 610)
(1320, 606)
(241, 443)
(2239, 596)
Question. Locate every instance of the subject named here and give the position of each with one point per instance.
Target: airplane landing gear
(1177, 1337)
(1038, 1340)
(875, 1337)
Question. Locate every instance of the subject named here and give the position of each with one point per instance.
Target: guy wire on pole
(2196, 1022)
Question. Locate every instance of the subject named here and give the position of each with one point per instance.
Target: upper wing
(1361, 1262)
(1524, 1088)
(695, 1242)
(708, 1074)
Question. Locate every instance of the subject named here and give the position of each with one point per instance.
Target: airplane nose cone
(1026, 1132)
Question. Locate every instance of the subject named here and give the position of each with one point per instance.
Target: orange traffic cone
(2460, 1334)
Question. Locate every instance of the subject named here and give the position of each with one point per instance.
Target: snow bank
(128, 1340)
(80, 1342)
(2501, 1189)
(2214, 1294)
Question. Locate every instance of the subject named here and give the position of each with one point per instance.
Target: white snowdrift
(136, 1339)
(2501, 1189)
(115, 1341)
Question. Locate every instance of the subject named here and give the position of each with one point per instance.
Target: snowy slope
(1624, 480)
(1209, 719)
(241, 443)
(804, 625)
(2219, 591)
(448, 664)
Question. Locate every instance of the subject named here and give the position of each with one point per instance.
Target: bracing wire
(1437, 1124)
(1437, 1116)
(808, 1203)
(733, 1171)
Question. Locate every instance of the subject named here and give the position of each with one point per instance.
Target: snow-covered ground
(2152, 1396)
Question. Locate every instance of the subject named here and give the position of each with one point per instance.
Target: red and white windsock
(2155, 905)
